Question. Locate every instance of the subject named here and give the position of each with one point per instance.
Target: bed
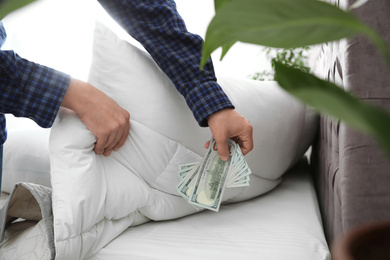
(277, 217)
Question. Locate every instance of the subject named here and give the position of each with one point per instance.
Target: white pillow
(26, 158)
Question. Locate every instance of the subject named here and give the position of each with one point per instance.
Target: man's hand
(228, 123)
(103, 116)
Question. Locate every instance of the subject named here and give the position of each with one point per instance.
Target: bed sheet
(283, 224)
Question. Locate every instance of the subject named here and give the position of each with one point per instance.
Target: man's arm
(31, 90)
(157, 25)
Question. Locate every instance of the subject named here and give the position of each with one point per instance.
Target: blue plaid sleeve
(3, 133)
(30, 90)
(3, 34)
(157, 25)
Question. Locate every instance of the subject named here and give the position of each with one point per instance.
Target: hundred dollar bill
(186, 185)
(236, 178)
(186, 168)
(241, 175)
(195, 178)
(212, 177)
(240, 183)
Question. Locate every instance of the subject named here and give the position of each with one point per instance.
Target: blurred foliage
(7, 6)
(295, 57)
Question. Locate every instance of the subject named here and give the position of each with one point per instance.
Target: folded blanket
(32, 237)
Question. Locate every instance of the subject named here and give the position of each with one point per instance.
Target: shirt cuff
(207, 99)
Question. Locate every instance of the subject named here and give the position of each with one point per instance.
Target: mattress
(282, 224)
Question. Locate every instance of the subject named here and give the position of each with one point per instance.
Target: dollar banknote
(203, 183)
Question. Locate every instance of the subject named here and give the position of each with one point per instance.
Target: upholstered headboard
(352, 175)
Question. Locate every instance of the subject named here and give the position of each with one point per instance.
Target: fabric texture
(284, 224)
(352, 171)
(26, 224)
(138, 182)
(157, 25)
(3, 34)
(26, 158)
(28, 89)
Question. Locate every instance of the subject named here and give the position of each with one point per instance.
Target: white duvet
(95, 198)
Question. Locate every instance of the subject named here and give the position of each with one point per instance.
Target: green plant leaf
(283, 24)
(332, 100)
(226, 48)
(219, 3)
(7, 6)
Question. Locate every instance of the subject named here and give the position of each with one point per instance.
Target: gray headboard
(352, 175)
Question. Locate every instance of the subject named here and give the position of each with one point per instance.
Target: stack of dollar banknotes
(203, 183)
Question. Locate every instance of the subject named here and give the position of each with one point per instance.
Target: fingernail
(224, 158)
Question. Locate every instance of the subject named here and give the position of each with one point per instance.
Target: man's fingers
(246, 142)
(123, 139)
(100, 144)
(245, 150)
(223, 150)
(118, 135)
(246, 146)
(125, 129)
(113, 139)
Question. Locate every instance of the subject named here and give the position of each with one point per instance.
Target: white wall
(58, 33)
